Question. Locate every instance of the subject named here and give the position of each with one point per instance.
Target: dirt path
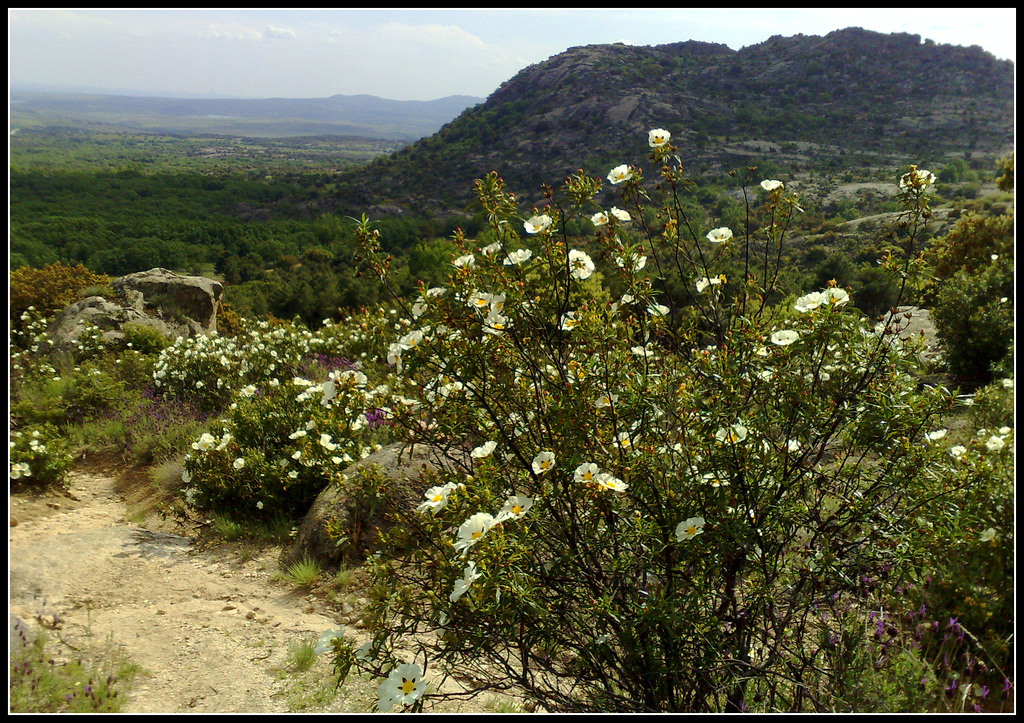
(212, 632)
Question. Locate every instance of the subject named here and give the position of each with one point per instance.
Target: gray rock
(337, 510)
(172, 304)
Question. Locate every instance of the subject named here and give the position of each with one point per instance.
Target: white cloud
(278, 33)
(230, 31)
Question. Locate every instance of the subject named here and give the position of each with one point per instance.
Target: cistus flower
(472, 530)
(619, 174)
(404, 685)
(581, 266)
(515, 507)
(536, 224)
(518, 257)
(771, 185)
(706, 282)
(484, 450)
(324, 643)
(915, 178)
(732, 434)
(543, 462)
(599, 219)
(469, 575)
(689, 528)
(785, 337)
(719, 235)
(622, 216)
(658, 137)
(606, 481)
(586, 472)
(436, 498)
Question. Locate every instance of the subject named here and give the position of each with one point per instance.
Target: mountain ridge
(361, 115)
(887, 98)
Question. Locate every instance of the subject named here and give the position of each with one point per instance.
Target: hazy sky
(404, 54)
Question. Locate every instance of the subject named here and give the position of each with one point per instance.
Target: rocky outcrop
(340, 525)
(173, 304)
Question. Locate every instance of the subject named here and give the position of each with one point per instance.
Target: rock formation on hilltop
(890, 98)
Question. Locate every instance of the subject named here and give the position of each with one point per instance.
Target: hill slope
(798, 99)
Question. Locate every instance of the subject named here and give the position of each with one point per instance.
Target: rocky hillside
(853, 96)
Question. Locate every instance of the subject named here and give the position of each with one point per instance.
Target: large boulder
(340, 525)
(173, 304)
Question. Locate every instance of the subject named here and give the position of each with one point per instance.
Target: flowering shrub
(654, 507)
(38, 456)
(282, 442)
(210, 369)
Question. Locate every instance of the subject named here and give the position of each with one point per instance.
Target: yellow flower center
(408, 686)
(516, 509)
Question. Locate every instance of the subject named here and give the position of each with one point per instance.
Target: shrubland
(682, 477)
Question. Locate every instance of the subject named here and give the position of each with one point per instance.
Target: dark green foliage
(974, 319)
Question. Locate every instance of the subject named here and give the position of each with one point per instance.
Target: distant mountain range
(350, 115)
(852, 97)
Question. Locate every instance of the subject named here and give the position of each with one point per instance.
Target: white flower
(205, 443)
(995, 443)
(618, 213)
(1007, 383)
(635, 263)
(239, 463)
(569, 321)
(619, 174)
(517, 257)
(771, 185)
(658, 137)
(404, 685)
(732, 434)
(330, 391)
(586, 472)
(472, 530)
(836, 296)
(247, 391)
(536, 224)
(605, 481)
(466, 261)
(411, 339)
(468, 576)
(810, 302)
(936, 435)
(606, 400)
(580, 264)
(326, 443)
(543, 462)
(484, 450)
(916, 179)
(784, 337)
(690, 528)
(989, 535)
(957, 451)
(657, 310)
(496, 323)
(491, 249)
(436, 499)
(323, 643)
(719, 235)
(259, 505)
(706, 282)
(599, 219)
(515, 507)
